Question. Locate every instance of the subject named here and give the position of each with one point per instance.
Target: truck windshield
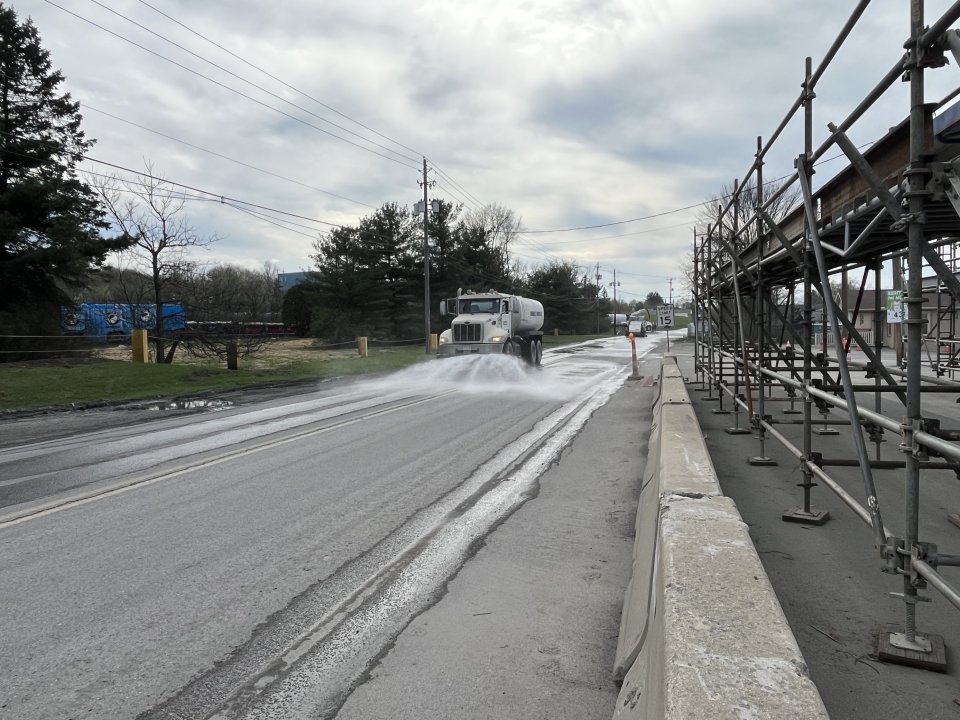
(479, 305)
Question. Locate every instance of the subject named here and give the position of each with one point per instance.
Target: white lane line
(142, 481)
(304, 411)
(332, 658)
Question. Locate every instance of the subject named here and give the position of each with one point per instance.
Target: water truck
(491, 322)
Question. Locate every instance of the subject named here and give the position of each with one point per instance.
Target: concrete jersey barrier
(702, 633)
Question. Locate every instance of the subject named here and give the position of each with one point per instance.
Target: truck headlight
(443, 340)
(496, 338)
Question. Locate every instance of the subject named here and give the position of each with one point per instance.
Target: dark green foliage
(370, 277)
(653, 300)
(368, 281)
(298, 304)
(566, 304)
(49, 219)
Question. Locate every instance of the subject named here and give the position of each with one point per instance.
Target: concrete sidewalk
(828, 578)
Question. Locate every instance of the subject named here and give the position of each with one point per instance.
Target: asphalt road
(324, 554)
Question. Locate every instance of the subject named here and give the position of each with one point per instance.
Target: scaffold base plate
(825, 431)
(799, 515)
(935, 660)
(793, 412)
(737, 431)
(720, 411)
(762, 461)
(709, 399)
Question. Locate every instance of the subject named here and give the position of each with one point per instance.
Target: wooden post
(231, 356)
(138, 339)
(362, 346)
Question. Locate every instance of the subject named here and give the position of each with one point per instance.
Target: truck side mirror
(443, 308)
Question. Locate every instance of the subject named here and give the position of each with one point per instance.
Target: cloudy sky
(622, 114)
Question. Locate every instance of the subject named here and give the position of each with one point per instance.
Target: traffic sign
(665, 316)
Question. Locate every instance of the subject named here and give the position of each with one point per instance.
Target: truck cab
(491, 322)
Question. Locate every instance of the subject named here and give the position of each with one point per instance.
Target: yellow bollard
(138, 339)
(362, 346)
(433, 342)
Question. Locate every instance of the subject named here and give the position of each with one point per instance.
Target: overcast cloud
(569, 112)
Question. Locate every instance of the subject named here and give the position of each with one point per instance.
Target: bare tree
(745, 208)
(150, 212)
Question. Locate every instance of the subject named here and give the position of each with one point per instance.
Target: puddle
(207, 404)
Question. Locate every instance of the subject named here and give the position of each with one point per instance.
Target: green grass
(81, 383)
(73, 382)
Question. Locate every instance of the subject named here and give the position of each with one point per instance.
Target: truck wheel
(526, 351)
(509, 348)
(536, 351)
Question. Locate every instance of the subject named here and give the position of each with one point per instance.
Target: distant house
(940, 314)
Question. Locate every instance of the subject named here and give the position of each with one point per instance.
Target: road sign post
(665, 319)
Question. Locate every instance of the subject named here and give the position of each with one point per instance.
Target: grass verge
(84, 382)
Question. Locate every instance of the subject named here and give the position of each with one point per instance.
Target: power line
(291, 87)
(452, 193)
(272, 221)
(274, 77)
(454, 182)
(230, 89)
(262, 89)
(245, 80)
(214, 195)
(223, 157)
(624, 235)
(676, 210)
(618, 222)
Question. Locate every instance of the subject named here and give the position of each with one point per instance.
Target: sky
(621, 115)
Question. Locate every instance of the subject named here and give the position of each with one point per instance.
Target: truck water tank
(531, 315)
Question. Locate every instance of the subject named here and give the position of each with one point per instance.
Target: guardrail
(702, 633)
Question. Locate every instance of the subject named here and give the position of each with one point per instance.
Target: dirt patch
(274, 353)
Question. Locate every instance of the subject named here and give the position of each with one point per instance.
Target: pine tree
(50, 220)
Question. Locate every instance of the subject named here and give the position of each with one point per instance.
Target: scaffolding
(775, 341)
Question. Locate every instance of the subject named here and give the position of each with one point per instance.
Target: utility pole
(425, 208)
(598, 276)
(614, 286)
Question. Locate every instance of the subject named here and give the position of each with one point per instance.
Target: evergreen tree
(298, 304)
(565, 307)
(343, 286)
(388, 238)
(49, 219)
(653, 301)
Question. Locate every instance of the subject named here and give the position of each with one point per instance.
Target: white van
(638, 328)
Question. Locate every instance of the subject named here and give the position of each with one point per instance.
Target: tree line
(66, 238)
(369, 279)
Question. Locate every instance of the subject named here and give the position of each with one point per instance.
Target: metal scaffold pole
(895, 206)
